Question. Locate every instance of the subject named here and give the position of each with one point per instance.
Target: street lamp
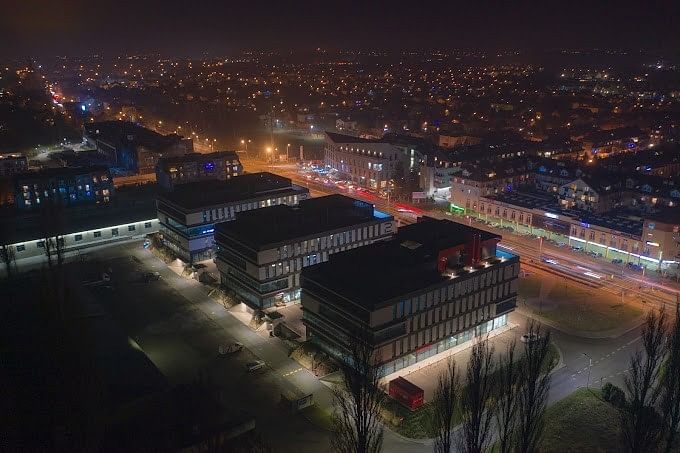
(590, 365)
(269, 152)
(287, 148)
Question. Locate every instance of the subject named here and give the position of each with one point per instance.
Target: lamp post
(590, 365)
(287, 149)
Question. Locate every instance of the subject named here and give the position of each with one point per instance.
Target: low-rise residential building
(485, 179)
(12, 164)
(661, 236)
(261, 253)
(134, 148)
(618, 234)
(69, 186)
(603, 143)
(189, 213)
(453, 140)
(592, 194)
(368, 163)
(436, 285)
(131, 214)
(220, 165)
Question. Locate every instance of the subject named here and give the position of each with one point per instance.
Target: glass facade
(447, 343)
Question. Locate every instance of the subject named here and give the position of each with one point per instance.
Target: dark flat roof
(341, 138)
(380, 272)
(197, 157)
(618, 220)
(61, 171)
(668, 215)
(120, 133)
(260, 228)
(195, 195)
(130, 204)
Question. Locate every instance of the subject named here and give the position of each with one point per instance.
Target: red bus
(407, 393)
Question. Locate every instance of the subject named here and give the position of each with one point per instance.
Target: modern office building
(261, 253)
(71, 186)
(134, 148)
(131, 214)
(436, 285)
(189, 213)
(220, 165)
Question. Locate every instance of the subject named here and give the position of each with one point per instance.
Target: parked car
(255, 365)
(617, 261)
(151, 277)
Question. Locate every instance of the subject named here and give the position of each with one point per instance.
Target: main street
(615, 279)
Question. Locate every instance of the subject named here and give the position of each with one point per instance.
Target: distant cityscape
(221, 239)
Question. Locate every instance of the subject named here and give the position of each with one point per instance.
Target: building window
(78, 237)
(114, 231)
(41, 244)
(97, 234)
(131, 228)
(147, 224)
(21, 248)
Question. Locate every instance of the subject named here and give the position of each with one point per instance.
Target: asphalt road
(611, 277)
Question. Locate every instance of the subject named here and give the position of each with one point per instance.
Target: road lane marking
(292, 372)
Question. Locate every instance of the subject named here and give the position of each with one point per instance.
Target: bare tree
(358, 400)
(506, 398)
(670, 386)
(534, 384)
(51, 220)
(444, 405)
(8, 256)
(7, 251)
(476, 399)
(640, 420)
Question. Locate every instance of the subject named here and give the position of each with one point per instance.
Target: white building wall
(90, 238)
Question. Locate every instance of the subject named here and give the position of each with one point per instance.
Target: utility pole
(590, 365)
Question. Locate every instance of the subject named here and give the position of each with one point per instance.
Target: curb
(425, 441)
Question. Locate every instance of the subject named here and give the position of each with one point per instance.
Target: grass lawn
(529, 287)
(581, 422)
(590, 312)
(319, 417)
(411, 424)
(416, 424)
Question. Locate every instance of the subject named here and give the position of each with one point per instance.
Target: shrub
(614, 395)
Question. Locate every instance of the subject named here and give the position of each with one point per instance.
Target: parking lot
(180, 329)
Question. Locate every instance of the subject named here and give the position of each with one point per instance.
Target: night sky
(51, 27)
